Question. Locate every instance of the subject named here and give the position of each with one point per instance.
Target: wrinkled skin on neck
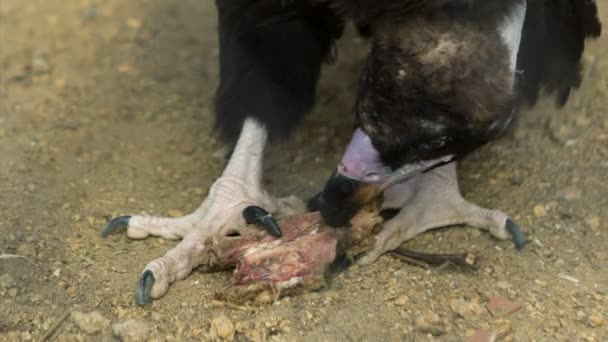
(362, 176)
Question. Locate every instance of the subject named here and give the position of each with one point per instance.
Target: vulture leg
(238, 188)
(270, 61)
(432, 200)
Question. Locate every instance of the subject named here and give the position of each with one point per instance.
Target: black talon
(341, 264)
(518, 237)
(115, 223)
(259, 216)
(144, 287)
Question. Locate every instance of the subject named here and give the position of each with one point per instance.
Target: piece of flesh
(267, 267)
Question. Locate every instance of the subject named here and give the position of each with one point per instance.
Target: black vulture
(442, 78)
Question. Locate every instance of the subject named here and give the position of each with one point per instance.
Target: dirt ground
(106, 109)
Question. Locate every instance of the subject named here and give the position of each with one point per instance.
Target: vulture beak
(360, 178)
(343, 197)
(356, 181)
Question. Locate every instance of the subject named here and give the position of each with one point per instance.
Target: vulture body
(442, 78)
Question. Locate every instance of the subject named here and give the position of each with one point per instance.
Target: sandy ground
(105, 109)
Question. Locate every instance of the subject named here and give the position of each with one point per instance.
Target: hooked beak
(360, 178)
(342, 198)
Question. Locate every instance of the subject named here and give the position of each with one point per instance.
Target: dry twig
(55, 325)
(435, 259)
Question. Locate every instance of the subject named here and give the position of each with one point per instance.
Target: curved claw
(340, 264)
(259, 216)
(516, 234)
(144, 287)
(343, 262)
(115, 223)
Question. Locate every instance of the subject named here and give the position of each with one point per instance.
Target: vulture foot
(231, 203)
(432, 200)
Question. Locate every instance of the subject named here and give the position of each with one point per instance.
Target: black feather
(552, 44)
(271, 54)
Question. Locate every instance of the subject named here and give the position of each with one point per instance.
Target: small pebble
(466, 309)
(503, 285)
(186, 149)
(243, 327)
(503, 327)
(131, 330)
(91, 322)
(285, 326)
(581, 316)
(572, 193)
(174, 213)
(134, 23)
(218, 303)
(89, 12)
(401, 300)
(593, 222)
(221, 153)
(124, 68)
(499, 306)
(482, 335)
(7, 281)
(264, 297)
(222, 327)
(430, 323)
(582, 120)
(595, 320)
(26, 249)
(539, 210)
(40, 64)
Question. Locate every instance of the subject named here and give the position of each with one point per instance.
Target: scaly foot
(432, 200)
(221, 213)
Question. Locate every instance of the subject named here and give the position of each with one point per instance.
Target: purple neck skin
(361, 161)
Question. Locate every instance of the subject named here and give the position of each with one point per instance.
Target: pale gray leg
(433, 200)
(239, 186)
